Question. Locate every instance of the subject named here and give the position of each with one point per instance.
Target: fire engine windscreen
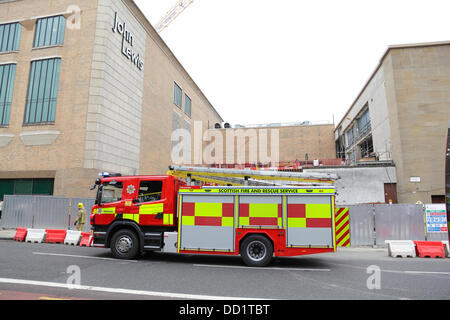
(111, 192)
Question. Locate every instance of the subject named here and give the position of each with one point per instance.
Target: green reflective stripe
(296, 222)
(188, 221)
(208, 209)
(133, 217)
(263, 210)
(227, 221)
(151, 208)
(168, 219)
(108, 210)
(318, 211)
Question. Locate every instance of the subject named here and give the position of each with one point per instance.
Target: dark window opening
(366, 148)
(150, 191)
(42, 187)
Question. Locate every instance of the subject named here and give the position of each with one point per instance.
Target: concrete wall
(373, 96)
(290, 142)
(110, 115)
(358, 185)
(418, 91)
(113, 128)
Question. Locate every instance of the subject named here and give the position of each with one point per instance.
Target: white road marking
(76, 256)
(259, 268)
(121, 291)
(426, 272)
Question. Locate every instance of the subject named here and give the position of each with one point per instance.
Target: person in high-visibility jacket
(81, 217)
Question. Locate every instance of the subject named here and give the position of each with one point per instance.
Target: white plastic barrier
(35, 235)
(72, 237)
(401, 248)
(447, 250)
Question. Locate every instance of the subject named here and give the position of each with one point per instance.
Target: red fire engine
(253, 216)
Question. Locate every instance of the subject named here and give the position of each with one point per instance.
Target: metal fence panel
(398, 222)
(50, 213)
(361, 225)
(17, 212)
(43, 212)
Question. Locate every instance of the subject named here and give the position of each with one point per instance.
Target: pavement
(7, 234)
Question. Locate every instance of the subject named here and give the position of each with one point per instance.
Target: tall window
(42, 91)
(10, 37)
(351, 136)
(364, 123)
(187, 105)
(49, 31)
(177, 95)
(7, 75)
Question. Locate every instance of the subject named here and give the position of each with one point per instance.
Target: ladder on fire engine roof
(236, 177)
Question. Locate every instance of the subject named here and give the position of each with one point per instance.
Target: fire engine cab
(251, 218)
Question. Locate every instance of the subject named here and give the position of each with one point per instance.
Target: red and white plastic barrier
(69, 237)
(430, 249)
(401, 248)
(72, 238)
(55, 236)
(86, 239)
(21, 234)
(35, 235)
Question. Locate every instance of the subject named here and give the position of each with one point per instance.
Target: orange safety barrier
(430, 249)
(56, 236)
(86, 239)
(21, 234)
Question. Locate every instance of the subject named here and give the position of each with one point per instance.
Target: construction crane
(172, 14)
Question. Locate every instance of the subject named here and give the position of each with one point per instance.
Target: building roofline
(165, 48)
(388, 50)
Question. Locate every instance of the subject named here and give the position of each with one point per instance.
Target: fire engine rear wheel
(256, 251)
(124, 244)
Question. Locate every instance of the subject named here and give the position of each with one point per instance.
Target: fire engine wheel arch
(256, 250)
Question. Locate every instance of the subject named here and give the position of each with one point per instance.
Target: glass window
(150, 191)
(7, 76)
(350, 137)
(10, 37)
(42, 91)
(187, 105)
(24, 186)
(43, 186)
(112, 192)
(177, 95)
(364, 123)
(50, 31)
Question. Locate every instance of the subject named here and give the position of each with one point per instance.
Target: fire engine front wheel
(256, 251)
(124, 244)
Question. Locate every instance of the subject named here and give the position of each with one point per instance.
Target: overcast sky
(269, 61)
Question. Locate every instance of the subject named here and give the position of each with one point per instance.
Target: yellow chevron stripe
(342, 241)
(342, 232)
(338, 217)
(341, 224)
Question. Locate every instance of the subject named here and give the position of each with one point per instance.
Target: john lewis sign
(127, 42)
